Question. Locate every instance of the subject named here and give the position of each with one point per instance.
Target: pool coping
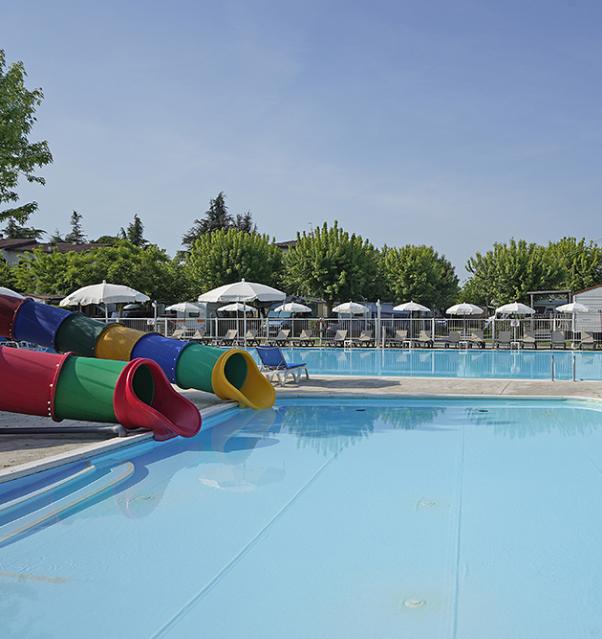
(96, 448)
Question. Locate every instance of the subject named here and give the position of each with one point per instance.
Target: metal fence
(375, 332)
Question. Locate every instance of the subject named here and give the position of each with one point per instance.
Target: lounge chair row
(504, 339)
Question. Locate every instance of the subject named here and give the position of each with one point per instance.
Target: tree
(217, 218)
(580, 261)
(148, 269)
(76, 235)
(135, 231)
(229, 255)
(508, 271)
(56, 237)
(15, 231)
(331, 264)
(245, 223)
(109, 240)
(18, 156)
(419, 273)
(6, 274)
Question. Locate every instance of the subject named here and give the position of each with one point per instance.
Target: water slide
(230, 374)
(136, 394)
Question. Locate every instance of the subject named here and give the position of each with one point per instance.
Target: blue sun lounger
(273, 361)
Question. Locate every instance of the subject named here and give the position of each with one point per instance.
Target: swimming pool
(475, 363)
(422, 518)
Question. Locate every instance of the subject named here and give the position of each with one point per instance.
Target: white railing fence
(382, 332)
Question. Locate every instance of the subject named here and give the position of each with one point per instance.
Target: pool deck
(18, 450)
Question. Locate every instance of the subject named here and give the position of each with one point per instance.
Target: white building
(592, 298)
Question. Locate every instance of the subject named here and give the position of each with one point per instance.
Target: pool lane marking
(240, 555)
(458, 537)
(45, 489)
(27, 522)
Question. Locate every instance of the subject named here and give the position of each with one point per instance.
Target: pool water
(418, 518)
(489, 363)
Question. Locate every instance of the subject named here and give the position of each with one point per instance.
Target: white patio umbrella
(292, 307)
(243, 292)
(351, 308)
(515, 308)
(411, 307)
(187, 307)
(103, 293)
(573, 308)
(237, 307)
(9, 292)
(465, 310)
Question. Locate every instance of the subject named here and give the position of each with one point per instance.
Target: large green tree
(332, 264)
(148, 269)
(228, 255)
(419, 273)
(580, 262)
(507, 272)
(15, 231)
(19, 157)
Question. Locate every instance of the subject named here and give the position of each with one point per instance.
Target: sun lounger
(401, 336)
(274, 363)
(503, 339)
(557, 340)
(476, 338)
(338, 339)
(453, 339)
(423, 339)
(251, 338)
(529, 340)
(305, 339)
(199, 335)
(365, 339)
(587, 341)
(229, 338)
(179, 333)
(282, 337)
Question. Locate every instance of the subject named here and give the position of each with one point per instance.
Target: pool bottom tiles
(419, 518)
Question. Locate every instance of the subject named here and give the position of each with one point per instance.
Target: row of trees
(327, 263)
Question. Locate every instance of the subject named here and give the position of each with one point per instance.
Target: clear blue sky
(454, 124)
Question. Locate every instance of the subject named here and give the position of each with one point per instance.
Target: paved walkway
(23, 448)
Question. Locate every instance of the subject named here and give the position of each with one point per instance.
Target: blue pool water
(418, 518)
(448, 363)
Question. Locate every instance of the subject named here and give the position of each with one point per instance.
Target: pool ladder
(573, 368)
(21, 525)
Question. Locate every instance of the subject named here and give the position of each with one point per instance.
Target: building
(13, 250)
(591, 297)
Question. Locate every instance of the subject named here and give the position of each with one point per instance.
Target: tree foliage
(218, 218)
(76, 235)
(148, 269)
(15, 231)
(6, 274)
(580, 263)
(419, 273)
(18, 156)
(332, 264)
(507, 272)
(135, 231)
(229, 255)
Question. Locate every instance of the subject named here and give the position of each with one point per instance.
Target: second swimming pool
(472, 363)
(422, 518)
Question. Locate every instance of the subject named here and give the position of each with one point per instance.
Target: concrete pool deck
(17, 450)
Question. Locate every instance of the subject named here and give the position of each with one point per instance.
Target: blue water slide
(38, 323)
(163, 350)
